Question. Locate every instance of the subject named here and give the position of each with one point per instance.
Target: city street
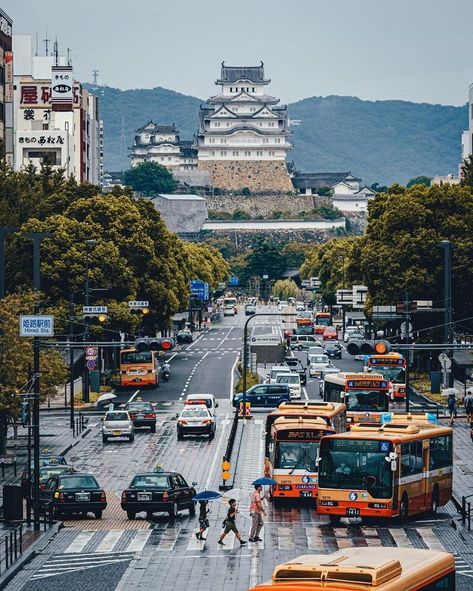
(115, 552)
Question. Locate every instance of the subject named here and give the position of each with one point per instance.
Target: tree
(294, 254)
(466, 176)
(285, 289)
(377, 188)
(419, 180)
(16, 355)
(150, 178)
(265, 258)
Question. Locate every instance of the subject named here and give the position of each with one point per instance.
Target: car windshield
(356, 464)
(195, 414)
(116, 416)
(71, 482)
(287, 379)
(135, 357)
(296, 455)
(46, 473)
(151, 480)
(396, 375)
(139, 406)
(367, 400)
(319, 359)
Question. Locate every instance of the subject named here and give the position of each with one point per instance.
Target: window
(212, 152)
(235, 153)
(444, 584)
(212, 140)
(228, 124)
(265, 140)
(216, 123)
(411, 458)
(271, 152)
(223, 153)
(270, 123)
(253, 89)
(236, 89)
(231, 89)
(259, 152)
(278, 140)
(223, 141)
(247, 153)
(440, 452)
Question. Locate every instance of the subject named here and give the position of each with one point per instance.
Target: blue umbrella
(206, 495)
(263, 481)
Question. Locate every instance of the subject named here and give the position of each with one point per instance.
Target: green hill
(383, 141)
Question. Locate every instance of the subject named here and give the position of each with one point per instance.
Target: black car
(264, 395)
(47, 472)
(158, 491)
(142, 414)
(333, 350)
(45, 459)
(77, 493)
(184, 336)
(296, 366)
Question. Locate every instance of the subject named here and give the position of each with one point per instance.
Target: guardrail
(11, 548)
(229, 449)
(79, 425)
(465, 511)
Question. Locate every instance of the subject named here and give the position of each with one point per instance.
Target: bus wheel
(435, 500)
(404, 508)
(335, 519)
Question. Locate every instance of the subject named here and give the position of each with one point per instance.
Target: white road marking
(400, 538)
(80, 542)
(232, 379)
(304, 391)
(132, 397)
(110, 540)
(139, 541)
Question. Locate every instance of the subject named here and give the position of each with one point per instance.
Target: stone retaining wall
(264, 205)
(235, 175)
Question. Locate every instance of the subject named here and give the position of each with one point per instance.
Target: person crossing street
(229, 524)
(256, 512)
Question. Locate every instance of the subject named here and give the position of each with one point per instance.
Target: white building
(348, 197)
(162, 144)
(6, 88)
(56, 121)
(467, 136)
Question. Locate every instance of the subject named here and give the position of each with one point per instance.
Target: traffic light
(95, 314)
(154, 344)
(140, 311)
(377, 347)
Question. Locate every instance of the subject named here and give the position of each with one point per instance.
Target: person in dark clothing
(229, 524)
(203, 519)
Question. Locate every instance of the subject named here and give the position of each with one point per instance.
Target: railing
(466, 511)
(79, 425)
(228, 452)
(4, 465)
(11, 548)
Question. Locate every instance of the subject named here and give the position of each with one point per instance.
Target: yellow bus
(292, 460)
(393, 470)
(391, 366)
(366, 395)
(361, 569)
(139, 369)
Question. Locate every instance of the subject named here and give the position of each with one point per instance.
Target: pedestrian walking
(468, 402)
(229, 524)
(203, 519)
(452, 407)
(256, 512)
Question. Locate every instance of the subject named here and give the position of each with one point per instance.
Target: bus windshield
(367, 400)
(356, 464)
(395, 374)
(135, 357)
(295, 455)
(323, 321)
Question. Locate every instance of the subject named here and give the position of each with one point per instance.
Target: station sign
(36, 326)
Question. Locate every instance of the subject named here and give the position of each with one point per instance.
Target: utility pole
(407, 321)
(85, 381)
(36, 237)
(3, 234)
(71, 357)
(448, 310)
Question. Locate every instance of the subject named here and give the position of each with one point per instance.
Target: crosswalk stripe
(80, 542)
(139, 541)
(285, 538)
(195, 544)
(59, 565)
(314, 538)
(110, 541)
(430, 539)
(400, 538)
(229, 541)
(257, 545)
(168, 539)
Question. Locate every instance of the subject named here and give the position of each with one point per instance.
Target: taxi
(142, 414)
(45, 459)
(77, 493)
(195, 419)
(47, 472)
(158, 491)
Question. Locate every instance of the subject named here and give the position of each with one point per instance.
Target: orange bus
(394, 470)
(304, 326)
(393, 368)
(292, 461)
(139, 369)
(322, 320)
(366, 395)
(361, 569)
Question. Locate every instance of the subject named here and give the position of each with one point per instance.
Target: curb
(74, 443)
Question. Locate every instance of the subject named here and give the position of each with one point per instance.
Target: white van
(275, 370)
(293, 381)
(207, 399)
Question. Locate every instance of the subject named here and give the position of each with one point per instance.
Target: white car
(275, 370)
(352, 333)
(317, 364)
(207, 399)
(117, 423)
(293, 381)
(196, 419)
(282, 304)
(300, 307)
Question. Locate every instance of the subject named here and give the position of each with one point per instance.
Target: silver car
(117, 423)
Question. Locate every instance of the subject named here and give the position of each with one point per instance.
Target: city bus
(322, 320)
(392, 367)
(292, 461)
(393, 470)
(304, 326)
(138, 369)
(366, 395)
(386, 569)
(230, 306)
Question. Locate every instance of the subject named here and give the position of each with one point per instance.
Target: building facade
(56, 120)
(467, 136)
(349, 197)
(6, 88)
(163, 145)
(243, 133)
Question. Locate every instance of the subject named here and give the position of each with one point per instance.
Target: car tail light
(181, 422)
(124, 495)
(132, 416)
(42, 486)
(165, 496)
(103, 496)
(150, 415)
(206, 422)
(61, 497)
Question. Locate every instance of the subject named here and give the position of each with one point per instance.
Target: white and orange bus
(322, 320)
(392, 367)
(139, 369)
(292, 461)
(394, 470)
(366, 395)
(385, 569)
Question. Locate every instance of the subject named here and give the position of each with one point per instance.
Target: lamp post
(85, 381)
(448, 310)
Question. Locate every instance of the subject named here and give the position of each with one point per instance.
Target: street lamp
(448, 310)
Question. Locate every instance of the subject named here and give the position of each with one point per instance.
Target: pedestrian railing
(79, 425)
(11, 547)
(466, 511)
(7, 466)
(228, 452)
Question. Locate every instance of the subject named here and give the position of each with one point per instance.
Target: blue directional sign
(233, 282)
(200, 290)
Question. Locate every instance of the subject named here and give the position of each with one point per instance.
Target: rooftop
(180, 197)
(232, 74)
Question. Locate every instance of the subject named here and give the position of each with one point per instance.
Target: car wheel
(192, 509)
(179, 435)
(132, 438)
(104, 439)
(173, 511)
(300, 347)
(130, 514)
(98, 514)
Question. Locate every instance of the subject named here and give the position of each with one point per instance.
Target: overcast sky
(419, 50)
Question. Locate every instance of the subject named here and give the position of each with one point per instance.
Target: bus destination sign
(362, 384)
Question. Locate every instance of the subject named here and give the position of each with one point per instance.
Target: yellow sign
(225, 475)
(56, 495)
(225, 465)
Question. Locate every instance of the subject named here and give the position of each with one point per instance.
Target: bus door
(426, 480)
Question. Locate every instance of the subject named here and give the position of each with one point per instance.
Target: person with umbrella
(203, 519)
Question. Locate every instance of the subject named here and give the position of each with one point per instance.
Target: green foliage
(238, 214)
(294, 254)
(419, 180)
(379, 188)
(251, 379)
(467, 173)
(285, 289)
(150, 178)
(265, 258)
(324, 191)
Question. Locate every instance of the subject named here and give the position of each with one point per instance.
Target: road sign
(36, 326)
(94, 309)
(139, 304)
(445, 361)
(91, 364)
(91, 351)
(200, 290)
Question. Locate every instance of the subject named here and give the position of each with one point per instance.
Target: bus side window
(416, 460)
(440, 452)
(405, 465)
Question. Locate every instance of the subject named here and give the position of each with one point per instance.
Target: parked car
(317, 364)
(293, 381)
(196, 419)
(302, 341)
(142, 414)
(330, 334)
(74, 493)
(250, 309)
(207, 399)
(117, 423)
(264, 395)
(184, 336)
(333, 350)
(158, 491)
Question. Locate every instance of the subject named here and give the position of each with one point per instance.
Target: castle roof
(232, 74)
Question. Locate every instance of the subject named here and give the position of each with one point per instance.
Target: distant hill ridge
(383, 141)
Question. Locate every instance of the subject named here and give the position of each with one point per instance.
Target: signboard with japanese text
(8, 76)
(49, 139)
(62, 88)
(139, 304)
(36, 326)
(94, 309)
(38, 94)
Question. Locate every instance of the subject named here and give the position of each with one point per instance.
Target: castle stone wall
(261, 175)
(263, 205)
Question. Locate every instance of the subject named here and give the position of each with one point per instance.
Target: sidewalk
(462, 459)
